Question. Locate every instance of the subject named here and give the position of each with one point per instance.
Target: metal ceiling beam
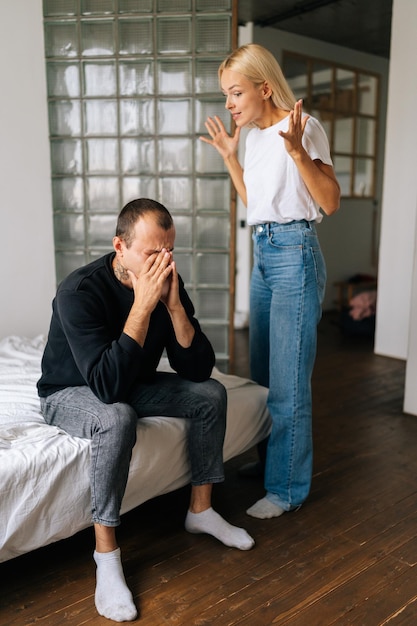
(300, 8)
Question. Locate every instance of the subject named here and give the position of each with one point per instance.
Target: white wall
(350, 237)
(27, 275)
(400, 188)
(396, 331)
(410, 388)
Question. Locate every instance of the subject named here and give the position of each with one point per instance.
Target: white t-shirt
(275, 190)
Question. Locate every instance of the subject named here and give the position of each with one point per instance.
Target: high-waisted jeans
(112, 430)
(287, 289)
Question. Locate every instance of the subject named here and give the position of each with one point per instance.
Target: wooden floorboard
(347, 557)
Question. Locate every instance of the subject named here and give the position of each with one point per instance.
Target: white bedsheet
(44, 472)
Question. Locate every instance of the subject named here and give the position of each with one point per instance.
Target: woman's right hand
(225, 144)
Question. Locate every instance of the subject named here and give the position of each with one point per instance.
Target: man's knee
(120, 418)
(220, 390)
(213, 387)
(216, 395)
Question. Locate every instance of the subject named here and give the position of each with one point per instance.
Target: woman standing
(287, 177)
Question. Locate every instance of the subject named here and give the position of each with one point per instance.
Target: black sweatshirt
(87, 346)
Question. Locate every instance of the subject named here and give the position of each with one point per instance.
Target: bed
(44, 472)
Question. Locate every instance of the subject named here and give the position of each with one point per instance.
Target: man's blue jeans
(112, 430)
(287, 289)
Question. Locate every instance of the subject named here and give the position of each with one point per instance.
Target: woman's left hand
(296, 125)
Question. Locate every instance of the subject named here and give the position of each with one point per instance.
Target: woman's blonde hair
(258, 65)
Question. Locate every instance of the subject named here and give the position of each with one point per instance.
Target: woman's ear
(266, 91)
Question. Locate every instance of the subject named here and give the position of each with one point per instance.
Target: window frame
(343, 112)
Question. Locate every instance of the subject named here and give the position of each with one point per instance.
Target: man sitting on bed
(111, 321)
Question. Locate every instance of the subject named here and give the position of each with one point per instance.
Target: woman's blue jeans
(287, 289)
(112, 430)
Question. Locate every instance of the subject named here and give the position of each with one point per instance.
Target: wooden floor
(349, 556)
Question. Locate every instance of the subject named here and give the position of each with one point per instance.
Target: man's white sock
(113, 598)
(212, 523)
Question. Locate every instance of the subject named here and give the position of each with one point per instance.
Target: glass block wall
(130, 84)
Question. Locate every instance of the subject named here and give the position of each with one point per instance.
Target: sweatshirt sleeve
(110, 362)
(197, 361)
(107, 365)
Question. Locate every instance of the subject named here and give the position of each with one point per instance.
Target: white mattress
(44, 472)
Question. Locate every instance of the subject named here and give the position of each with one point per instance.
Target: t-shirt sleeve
(315, 141)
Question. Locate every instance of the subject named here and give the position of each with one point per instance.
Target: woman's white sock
(212, 523)
(264, 509)
(113, 598)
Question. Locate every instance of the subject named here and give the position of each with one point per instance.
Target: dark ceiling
(363, 25)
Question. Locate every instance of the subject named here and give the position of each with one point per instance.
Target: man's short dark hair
(134, 210)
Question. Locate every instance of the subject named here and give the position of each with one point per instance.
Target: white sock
(113, 597)
(213, 524)
(265, 509)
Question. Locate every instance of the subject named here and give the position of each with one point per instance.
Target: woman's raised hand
(225, 144)
(296, 125)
